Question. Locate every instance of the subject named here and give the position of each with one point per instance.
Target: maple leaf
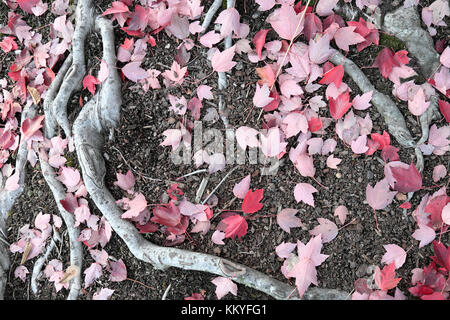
(340, 106)
(444, 107)
(103, 294)
(442, 255)
(223, 61)
(379, 197)
(360, 145)
(309, 257)
(407, 180)
(136, 206)
(246, 136)
(240, 189)
(89, 82)
(286, 219)
(325, 7)
(313, 26)
(224, 286)
(236, 226)
(385, 62)
(284, 21)
(168, 215)
(134, 72)
(31, 126)
(229, 19)
(259, 40)
(267, 75)
(319, 50)
(295, 122)
(341, 212)
(344, 37)
(418, 105)
(26, 5)
(333, 75)
(92, 273)
(8, 44)
(304, 192)
(394, 254)
(384, 279)
(118, 271)
(262, 96)
(424, 234)
(125, 181)
(327, 229)
(252, 199)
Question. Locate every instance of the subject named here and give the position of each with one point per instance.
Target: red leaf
(26, 5)
(444, 106)
(407, 180)
(314, 124)
(383, 140)
(334, 75)
(252, 199)
(435, 207)
(259, 40)
(384, 279)
(385, 62)
(442, 255)
(405, 205)
(313, 25)
(340, 106)
(389, 153)
(168, 215)
(30, 126)
(89, 82)
(236, 226)
(267, 75)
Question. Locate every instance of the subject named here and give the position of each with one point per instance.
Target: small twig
(201, 189)
(220, 183)
(166, 292)
(142, 284)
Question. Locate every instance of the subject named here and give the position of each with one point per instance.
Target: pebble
(338, 175)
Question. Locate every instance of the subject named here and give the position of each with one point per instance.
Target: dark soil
(137, 146)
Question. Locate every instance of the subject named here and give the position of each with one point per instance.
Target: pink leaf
(333, 162)
(222, 61)
(247, 136)
(262, 96)
(395, 254)
(134, 72)
(309, 257)
(21, 273)
(439, 172)
(379, 197)
(229, 19)
(326, 228)
(445, 57)
(136, 206)
(125, 181)
(362, 102)
(304, 192)
(418, 105)
(210, 38)
(286, 219)
(235, 226)
(341, 212)
(284, 250)
(92, 273)
(344, 37)
(30, 126)
(217, 237)
(359, 145)
(204, 92)
(89, 82)
(118, 271)
(103, 294)
(424, 234)
(446, 214)
(325, 7)
(241, 189)
(284, 21)
(259, 40)
(224, 286)
(295, 122)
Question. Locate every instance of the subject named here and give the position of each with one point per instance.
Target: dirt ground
(137, 145)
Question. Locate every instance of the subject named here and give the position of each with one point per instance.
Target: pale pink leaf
(125, 181)
(92, 273)
(204, 92)
(446, 214)
(344, 37)
(284, 250)
(395, 254)
(224, 286)
(261, 97)
(418, 105)
(379, 196)
(134, 72)
(21, 272)
(360, 145)
(304, 192)
(286, 219)
(445, 57)
(333, 162)
(103, 294)
(223, 61)
(284, 21)
(326, 228)
(424, 234)
(295, 122)
(247, 136)
(325, 7)
(341, 212)
(217, 237)
(362, 102)
(241, 189)
(439, 172)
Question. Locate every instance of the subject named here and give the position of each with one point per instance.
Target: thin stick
(220, 183)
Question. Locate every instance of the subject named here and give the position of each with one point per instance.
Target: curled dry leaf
(70, 273)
